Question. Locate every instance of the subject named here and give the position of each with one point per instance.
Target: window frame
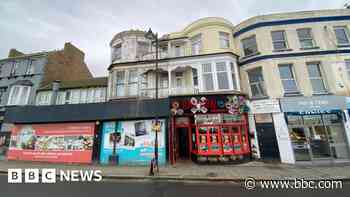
(347, 35)
(117, 52)
(17, 101)
(293, 78)
(244, 47)
(196, 41)
(14, 67)
(311, 38)
(30, 67)
(263, 91)
(321, 77)
(226, 71)
(224, 40)
(3, 91)
(234, 73)
(285, 40)
(211, 73)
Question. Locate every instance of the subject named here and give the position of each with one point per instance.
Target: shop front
(208, 128)
(59, 143)
(262, 121)
(131, 142)
(317, 128)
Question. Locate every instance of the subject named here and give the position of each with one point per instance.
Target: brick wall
(66, 65)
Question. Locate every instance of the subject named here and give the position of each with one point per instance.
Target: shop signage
(313, 105)
(136, 143)
(232, 104)
(265, 106)
(67, 143)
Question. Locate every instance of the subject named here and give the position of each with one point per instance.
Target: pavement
(193, 172)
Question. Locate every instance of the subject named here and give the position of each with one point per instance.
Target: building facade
(290, 58)
(272, 87)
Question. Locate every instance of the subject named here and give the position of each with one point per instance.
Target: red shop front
(209, 128)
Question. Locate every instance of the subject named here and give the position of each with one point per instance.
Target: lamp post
(154, 37)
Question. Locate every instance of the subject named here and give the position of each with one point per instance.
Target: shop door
(182, 145)
(319, 143)
(267, 141)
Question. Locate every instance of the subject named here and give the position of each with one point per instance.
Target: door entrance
(182, 143)
(267, 141)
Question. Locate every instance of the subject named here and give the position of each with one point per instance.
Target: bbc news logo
(49, 175)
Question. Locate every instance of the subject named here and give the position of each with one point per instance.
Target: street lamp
(154, 37)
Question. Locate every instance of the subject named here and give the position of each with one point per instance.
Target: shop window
(316, 78)
(299, 143)
(342, 35)
(224, 40)
(305, 38)
(288, 78)
(208, 81)
(279, 40)
(256, 82)
(19, 95)
(250, 46)
(196, 43)
(294, 120)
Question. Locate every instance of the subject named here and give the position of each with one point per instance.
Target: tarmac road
(152, 188)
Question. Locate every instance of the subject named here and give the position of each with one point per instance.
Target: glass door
(319, 142)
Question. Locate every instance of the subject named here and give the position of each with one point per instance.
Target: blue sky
(39, 25)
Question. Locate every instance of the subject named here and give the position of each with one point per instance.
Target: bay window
(234, 79)
(316, 78)
(222, 75)
(120, 83)
(179, 78)
(19, 95)
(132, 83)
(208, 81)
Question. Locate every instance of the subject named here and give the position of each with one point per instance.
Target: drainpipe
(55, 89)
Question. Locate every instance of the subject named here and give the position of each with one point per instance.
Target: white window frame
(17, 101)
(43, 98)
(116, 52)
(224, 39)
(207, 73)
(346, 31)
(120, 83)
(179, 76)
(226, 71)
(284, 40)
(291, 70)
(311, 38)
(14, 68)
(321, 77)
(2, 94)
(262, 93)
(234, 76)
